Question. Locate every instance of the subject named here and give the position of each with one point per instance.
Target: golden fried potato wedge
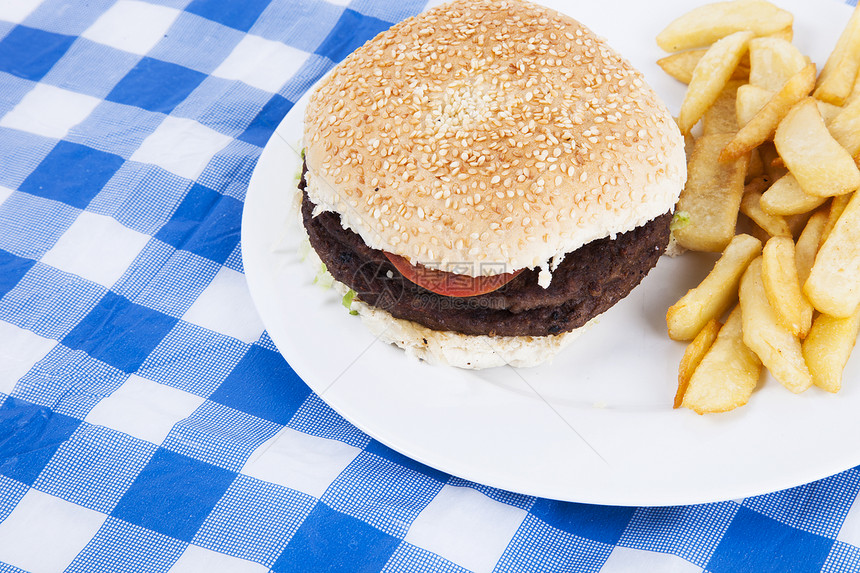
(713, 296)
(756, 166)
(845, 126)
(828, 347)
(722, 116)
(807, 244)
(786, 34)
(773, 61)
(814, 157)
(705, 25)
(762, 126)
(750, 100)
(782, 287)
(728, 373)
(833, 286)
(711, 196)
(829, 112)
(710, 77)
(680, 65)
(693, 354)
(777, 348)
(834, 211)
(785, 197)
(840, 72)
(773, 225)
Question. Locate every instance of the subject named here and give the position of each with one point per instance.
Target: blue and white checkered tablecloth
(147, 422)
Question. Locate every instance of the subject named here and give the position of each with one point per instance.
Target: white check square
(197, 559)
(261, 63)
(20, 350)
(5, 193)
(226, 307)
(181, 146)
(43, 534)
(97, 248)
(132, 26)
(466, 527)
(627, 560)
(144, 409)
(16, 11)
(300, 461)
(49, 111)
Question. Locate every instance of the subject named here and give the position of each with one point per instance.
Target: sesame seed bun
(490, 132)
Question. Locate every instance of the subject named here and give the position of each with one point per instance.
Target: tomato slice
(449, 284)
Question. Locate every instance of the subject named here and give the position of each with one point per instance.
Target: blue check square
(12, 270)
(264, 385)
(238, 15)
(351, 31)
(173, 494)
(29, 436)
(263, 125)
(206, 223)
(331, 541)
(155, 85)
(597, 522)
(29, 53)
(72, 174)
(119, 332)
(754, 542)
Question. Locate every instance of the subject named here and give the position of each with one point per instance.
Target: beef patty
(587, 282)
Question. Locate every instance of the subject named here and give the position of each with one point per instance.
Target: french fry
(828, 347)
(833, 285)
(829, 112)
(728, 373)
(762, 126)
(773, 225)
(786, 34)
(693, 355)
(680, 65)
(845, 127)
(837, 206)
(840, 72)
(755, 167)
(705, 25)
(814, 157)
(785, 197)
(806, 246)
(713, 296)
(711, 196)
(710, 77)
(773, 61)
(777, 348)
(721, 117)
(750, 100)
(782, 286)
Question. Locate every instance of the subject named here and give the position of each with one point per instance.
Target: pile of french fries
(773, 171)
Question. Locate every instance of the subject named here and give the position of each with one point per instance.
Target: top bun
(490, 132)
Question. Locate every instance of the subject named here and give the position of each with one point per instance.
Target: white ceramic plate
(596, 425)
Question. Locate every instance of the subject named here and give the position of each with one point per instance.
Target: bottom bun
(448, 348)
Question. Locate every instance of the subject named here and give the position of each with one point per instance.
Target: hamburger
(484, 179)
